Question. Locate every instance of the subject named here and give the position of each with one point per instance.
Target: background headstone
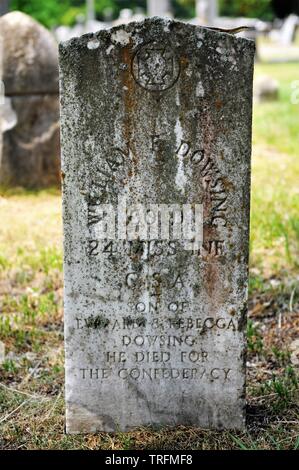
(265, 88)
(31, 147)
(156, 113)
(288, 30)
(158, 8)
(91, 14)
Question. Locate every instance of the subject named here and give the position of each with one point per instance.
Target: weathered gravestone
(156, 137)
(31, 144)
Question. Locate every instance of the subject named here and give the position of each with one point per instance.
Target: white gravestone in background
(158, 7)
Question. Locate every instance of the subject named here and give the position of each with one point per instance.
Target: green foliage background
(56, 12)
(261, 9)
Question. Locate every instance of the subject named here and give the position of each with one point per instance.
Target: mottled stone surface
(30, 115)
(157, 112)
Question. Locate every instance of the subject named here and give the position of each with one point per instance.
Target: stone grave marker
(30, 129)
(156, 147)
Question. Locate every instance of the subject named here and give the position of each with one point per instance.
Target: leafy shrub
(261, 9)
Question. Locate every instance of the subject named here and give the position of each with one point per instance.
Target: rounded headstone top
(30, 56)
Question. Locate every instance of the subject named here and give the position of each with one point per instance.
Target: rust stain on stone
(219, 104)
(130, 99)
(184, 63)
(211, 279)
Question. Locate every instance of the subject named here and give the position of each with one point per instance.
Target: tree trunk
(4, 7)
(158, 8)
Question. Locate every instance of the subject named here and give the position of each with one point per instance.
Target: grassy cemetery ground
(31, 316)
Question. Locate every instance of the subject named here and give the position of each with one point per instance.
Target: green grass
(31, 326)
(276, 122)
(275, 175)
